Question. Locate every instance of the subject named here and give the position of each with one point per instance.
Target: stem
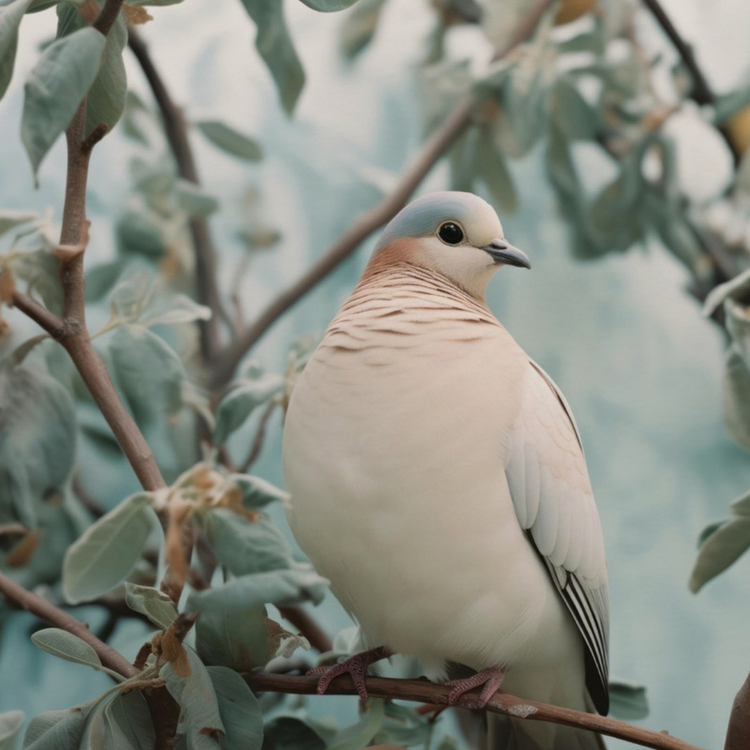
(57, 617)
(308, 626)
(205, 253)
(433, 149)
(502, 703)
(738, 731)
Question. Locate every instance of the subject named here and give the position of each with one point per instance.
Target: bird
(438, 481)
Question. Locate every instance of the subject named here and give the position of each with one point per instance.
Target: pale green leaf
(239, 709)
(41, 271)
(127, 723)
(173, 309)
(575, 114)
(240, 402)
(200, 717)
(627, 701)
(736, 287)
(10, 727)
(360, 734)
(720, 550)
(10, 19)
(290, 733)
(154, 2)
(11, 218)
(57, 730)
(67, 646)
(359, 27)
(258, 492)
(55, 88)
(737, 397)
(494, 172)
(244, 546)
(329, 6)
(138, 232)
(155, 604)
(275, 47)
(230, 140)
(108, 550)
(193, 200)
(234, 637)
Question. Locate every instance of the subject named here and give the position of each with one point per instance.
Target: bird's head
(456, 234)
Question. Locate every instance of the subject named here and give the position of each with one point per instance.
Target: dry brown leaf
(7, 287)
(136, 15)
(174, 652)
(177, 569)
(24, 550)
(89, 11)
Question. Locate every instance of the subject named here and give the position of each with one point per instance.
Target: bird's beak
(506, 254)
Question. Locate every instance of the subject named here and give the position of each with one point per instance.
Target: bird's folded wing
(553, 500)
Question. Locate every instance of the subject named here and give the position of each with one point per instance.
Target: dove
(438, 481)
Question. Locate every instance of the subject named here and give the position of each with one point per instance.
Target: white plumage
(437, 477)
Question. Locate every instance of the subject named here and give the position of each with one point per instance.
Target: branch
(422, 691)
(738, 731)
(308, 626)
(57, 617)
(701, 93)
(433, 149)
(205, 253)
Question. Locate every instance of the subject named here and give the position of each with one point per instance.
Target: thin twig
(61, 619)
(738, 731)
(308, 626)
(434, 148)
(205, 253)
(260, 436)
(422, 691)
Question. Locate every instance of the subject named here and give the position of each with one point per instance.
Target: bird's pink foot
(355, 665)
(490, 679)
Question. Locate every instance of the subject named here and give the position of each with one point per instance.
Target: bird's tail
(505, 733)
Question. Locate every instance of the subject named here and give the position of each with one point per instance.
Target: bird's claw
(489, 679)
(355, 665)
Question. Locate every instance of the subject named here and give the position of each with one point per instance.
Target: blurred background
(621, 332)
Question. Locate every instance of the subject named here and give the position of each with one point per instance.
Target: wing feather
(554, 503)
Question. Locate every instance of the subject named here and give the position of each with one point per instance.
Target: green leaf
(258, 492)
(10, 726)
(720, 550)
(737, 397)
(173, 309)
(275, 47)
(105, 102)
(41, 270)
(274, 587)
(524, 113)
(55, 88)
(235, 637)
(360, 734)
(193, 200)
(628, 701)
(10, 19)
(290, 733)
(575, 116)
(155, 604)
(329, 6)
(200, 716)
(244, 546)
(737, 287)
(57, 730)
(108, 550)
(67, 646)
(230, 140)
(359, 27)
(11, 218)
(239, 709)
(495, 174)
(239, 403)
(37, 440)
(138, 233)
(154, 2)
(127, 723)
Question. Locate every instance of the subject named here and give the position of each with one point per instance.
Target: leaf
(360, 734)
(10, 19)
(274, 587)
(239, 403)
(289, 733)
(10, 726)
(107, 550)
(275, 47)
(628, 701)
(244, 546)
(239, 709)
(55, 88)
(193, 200)
(9, 217)
(359, 27)
(155, 604)
(737, 397)
(67, 646)
(200, 716)
(576, 117)
(154, 2)
(736, 288)
(495, 174)
(720, 550)
(230, 140)
(37, 440)
(57, 730)
(329, 6)
(173, 309)
(138, 233)
(235, 637)
(128, 724)
(258, 492)
(105, 102)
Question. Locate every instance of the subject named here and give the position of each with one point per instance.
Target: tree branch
(701, 93)
(432, 150)
(503, 703)
(57, 617)
(175, 130)
(738, 731)
(308, 626)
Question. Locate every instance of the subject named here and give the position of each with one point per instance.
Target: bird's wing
(553, 500)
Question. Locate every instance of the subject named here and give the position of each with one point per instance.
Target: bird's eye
(451, 233)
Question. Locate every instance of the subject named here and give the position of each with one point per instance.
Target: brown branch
(701, 93)
(57, 617)
(176, 132)
(260, 436)
(422, 691)
(738, 732)
(433, 149)
(308, 626)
